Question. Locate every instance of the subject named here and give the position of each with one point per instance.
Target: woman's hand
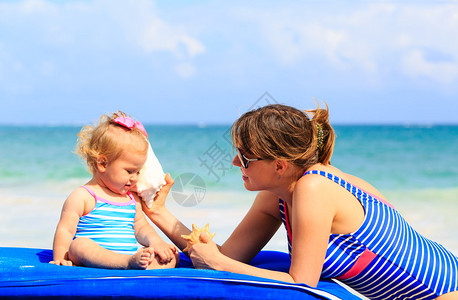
(205, 255)
(163, 218)
(161, 196)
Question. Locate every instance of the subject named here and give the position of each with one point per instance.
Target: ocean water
(415, 167)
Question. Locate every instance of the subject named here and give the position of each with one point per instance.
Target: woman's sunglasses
(244, 160)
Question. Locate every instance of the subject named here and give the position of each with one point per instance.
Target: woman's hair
(109, 139)
(278, 131)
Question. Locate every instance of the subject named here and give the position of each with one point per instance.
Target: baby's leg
(145, 259)
(157, 264)
(142, 259)
(86, 252)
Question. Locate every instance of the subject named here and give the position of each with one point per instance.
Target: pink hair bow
(130, 123)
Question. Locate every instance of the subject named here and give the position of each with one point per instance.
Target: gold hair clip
(320, 136)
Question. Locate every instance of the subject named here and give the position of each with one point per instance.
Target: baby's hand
(62, 262)
(166, 252)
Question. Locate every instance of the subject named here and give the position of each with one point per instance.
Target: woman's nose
(236, 161)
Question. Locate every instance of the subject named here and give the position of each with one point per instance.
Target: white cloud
(158, 36)
(415, 65)
(372, 42)
(73, 34)
(372, 39)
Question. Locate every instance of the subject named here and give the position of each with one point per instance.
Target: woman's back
(385, 256)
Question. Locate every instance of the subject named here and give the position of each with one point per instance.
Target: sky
(207, 62)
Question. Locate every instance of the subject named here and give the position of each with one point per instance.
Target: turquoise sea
(416, 167)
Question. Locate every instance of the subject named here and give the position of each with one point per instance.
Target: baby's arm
(147, 236)
(72, 210)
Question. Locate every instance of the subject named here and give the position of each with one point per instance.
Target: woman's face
(258, 175)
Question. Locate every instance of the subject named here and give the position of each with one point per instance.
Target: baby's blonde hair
(108, 139)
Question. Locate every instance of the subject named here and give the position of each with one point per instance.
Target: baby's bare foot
(141, 259)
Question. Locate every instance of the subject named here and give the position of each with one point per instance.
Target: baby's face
(121, 175)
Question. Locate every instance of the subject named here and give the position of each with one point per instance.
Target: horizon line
(211, 124)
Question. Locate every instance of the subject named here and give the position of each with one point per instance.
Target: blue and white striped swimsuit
(385, 258)
(110, 224)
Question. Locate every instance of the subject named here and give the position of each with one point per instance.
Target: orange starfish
(194, 236)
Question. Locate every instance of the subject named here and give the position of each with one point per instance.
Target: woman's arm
(163, 218)
(255, 230)
(250, 236)
(312, 212)
(148, 237)
(206, 256)
(144, 232)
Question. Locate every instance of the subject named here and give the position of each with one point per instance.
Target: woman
(339, 226)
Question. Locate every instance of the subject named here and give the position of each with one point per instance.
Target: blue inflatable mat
(26, 273)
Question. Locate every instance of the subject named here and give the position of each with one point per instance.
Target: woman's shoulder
(313, 185)
(316, 181)
(311, 180)
(311, 177)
